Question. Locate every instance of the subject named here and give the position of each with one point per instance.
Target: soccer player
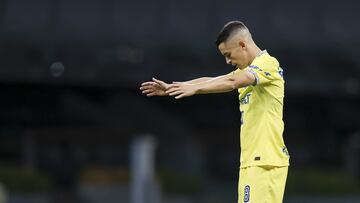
(258, 78)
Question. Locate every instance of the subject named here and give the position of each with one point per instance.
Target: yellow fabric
(264, 184)
(261, 107)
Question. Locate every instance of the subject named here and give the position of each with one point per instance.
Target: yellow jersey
(261, 106)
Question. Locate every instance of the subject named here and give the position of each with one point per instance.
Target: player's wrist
(197, 89)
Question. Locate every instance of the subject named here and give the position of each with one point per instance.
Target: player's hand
(154, 88)
(181, 89)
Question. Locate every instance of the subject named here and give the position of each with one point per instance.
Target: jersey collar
(261, 52)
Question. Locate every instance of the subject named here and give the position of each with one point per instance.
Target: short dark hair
(228, 30)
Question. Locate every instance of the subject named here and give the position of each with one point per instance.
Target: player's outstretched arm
(158, 88)
(197, 80)
(154, 88)
(219, 84)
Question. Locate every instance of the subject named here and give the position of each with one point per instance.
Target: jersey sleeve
(265, 72)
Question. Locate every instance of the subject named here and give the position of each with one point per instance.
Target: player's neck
(253, 53)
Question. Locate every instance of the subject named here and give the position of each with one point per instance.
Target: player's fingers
(172, 90)
(174, 86)
(162, 83)
(146, 87)
(147, 91)
(147, 83)
(158, 86)
(151, 94)
(176, 93)
(180, 96)
(153, 86)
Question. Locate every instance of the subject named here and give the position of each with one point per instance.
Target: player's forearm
(198, 80)
(216, 85)
(225, 83)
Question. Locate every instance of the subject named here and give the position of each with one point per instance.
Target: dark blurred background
(71, 110)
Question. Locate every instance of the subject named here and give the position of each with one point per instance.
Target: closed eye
(227, 55)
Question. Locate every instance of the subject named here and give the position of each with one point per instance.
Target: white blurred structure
(3, 194)
(144, 187)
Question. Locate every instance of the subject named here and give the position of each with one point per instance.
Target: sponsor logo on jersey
(245, 99)
(247, 193)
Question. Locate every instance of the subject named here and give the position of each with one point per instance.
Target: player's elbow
(249, 79)
(244, 80)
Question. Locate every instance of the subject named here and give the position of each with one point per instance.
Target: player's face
(235, 53)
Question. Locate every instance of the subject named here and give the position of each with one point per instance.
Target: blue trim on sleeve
(257, 80)
(255, 67)
(267, 74)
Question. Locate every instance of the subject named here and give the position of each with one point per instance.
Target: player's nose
(228, 61)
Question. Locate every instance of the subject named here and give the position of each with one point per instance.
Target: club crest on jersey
(247, 193)
(245, 99)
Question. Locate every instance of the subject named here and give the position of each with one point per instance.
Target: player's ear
(241, 44)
